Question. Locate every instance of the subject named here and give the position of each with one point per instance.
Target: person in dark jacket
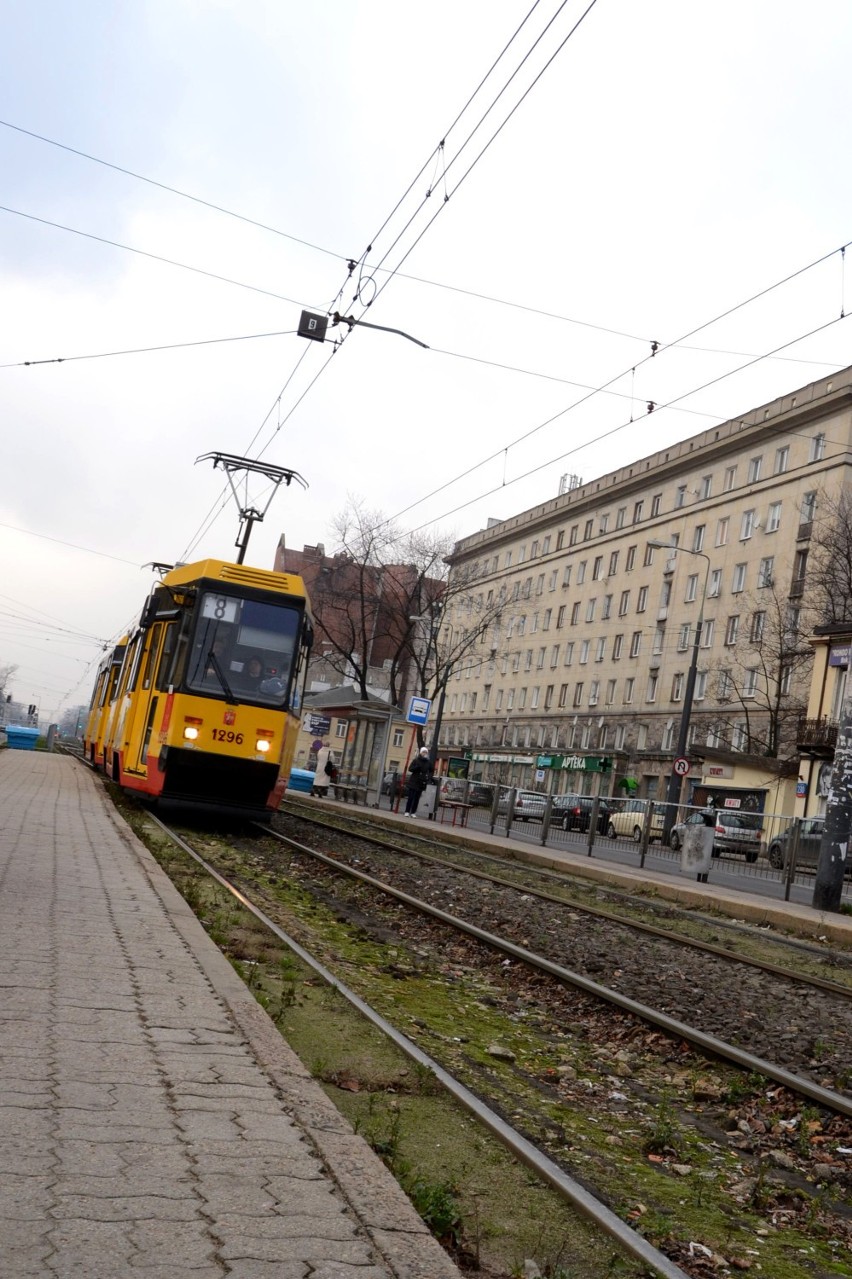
(419, 773)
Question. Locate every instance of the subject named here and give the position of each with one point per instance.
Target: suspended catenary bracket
(250, 515)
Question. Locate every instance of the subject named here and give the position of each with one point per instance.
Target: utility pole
(834, 849)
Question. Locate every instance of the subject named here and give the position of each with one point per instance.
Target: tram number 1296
(223, 735)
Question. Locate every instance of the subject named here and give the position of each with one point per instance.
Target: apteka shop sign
(576, 763)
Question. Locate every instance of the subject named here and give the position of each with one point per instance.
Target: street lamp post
(674, 782)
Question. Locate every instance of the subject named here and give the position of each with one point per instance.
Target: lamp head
(658, 541)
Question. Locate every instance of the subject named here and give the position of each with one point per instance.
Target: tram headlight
(262, 745)
(190, 732)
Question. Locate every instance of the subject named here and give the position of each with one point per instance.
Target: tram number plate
(219, 608)
(224, 735)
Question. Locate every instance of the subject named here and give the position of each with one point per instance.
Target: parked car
(393, 785)
(529, 804)
(810, 841)
(480, 794)
(734, 832)
(628, 818)
(574, 812)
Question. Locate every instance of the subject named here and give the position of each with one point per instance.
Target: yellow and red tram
(204, 709)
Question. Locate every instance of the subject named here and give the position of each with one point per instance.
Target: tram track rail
(707, 1044)
(425, 851)
(630, 1241)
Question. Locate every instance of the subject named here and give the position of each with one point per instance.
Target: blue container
(301, 779)
(21, 739)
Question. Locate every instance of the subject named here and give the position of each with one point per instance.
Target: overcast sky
(672, 160)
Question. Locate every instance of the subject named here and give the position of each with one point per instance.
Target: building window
(507, 562)
(656, 502)
(590, 609)
(765, 572)
(666, 593)
(510, 699)
(619, 516)
(613, 564)
(629, 685)
(725, 685)
(747, 526)
(617, 645)
(817, 448)
(542, 653)
(635, 643)
(603, 523)
(637, 511)
(594, 692)
(730, 478)
(575, 613)
(631, 559)
(611, 686)
(738, 584)
(722, 531)
(563, 694)
(691, 588)
(732, 629)
(581, 572)
(642, 599)
(806, 515)
(597, 568)
(539, 585)
(700, 686)
(648, 558)
(578, 694)
(498, 700)
(569, 653)
(548, 697)
(755, 466)
(758, 624)
(683, 637)
(528, 660)
(659, 640)
(707, 631)
(566, 576)
(668, 736)
(698, 537)
(522, 698)
(607, 607)
(341, 727)
(522, 554)
(623, 603)
(714, 583)
(786, 681)
(554, 656)
(548, 615)
(706, 486)
(584, 651)
(534, 698)
(782, 459)
(680, 496)
(620, 736)
(642, 737)
(534, 549)
(773, 517)
(739, 737)
(534, 626)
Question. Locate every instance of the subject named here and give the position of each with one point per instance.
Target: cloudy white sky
(671, 161)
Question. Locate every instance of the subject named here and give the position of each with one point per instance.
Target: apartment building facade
(598, 626)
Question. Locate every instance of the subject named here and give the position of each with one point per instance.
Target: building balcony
(797, 588)
(817, 737)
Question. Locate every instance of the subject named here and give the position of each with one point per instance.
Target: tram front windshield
(243, 650)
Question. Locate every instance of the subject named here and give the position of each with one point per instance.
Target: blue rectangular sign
(418, 710)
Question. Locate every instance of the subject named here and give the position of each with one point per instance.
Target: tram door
(144, 707)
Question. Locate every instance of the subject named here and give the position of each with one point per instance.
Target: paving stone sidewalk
(153, 1123)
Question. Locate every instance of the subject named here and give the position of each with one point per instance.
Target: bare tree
(762, 680)
(380, 600)
(829, 562)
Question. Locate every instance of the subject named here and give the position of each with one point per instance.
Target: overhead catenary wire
(660, 349)
(821, 328)
(147, 350)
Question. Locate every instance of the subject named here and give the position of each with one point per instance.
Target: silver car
(734, 831)
(810, 841)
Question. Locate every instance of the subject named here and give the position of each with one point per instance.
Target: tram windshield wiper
(213, 663)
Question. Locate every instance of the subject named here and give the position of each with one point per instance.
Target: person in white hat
(419, 773)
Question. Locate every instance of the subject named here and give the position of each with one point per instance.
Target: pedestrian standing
(325, 772)
(419, 773)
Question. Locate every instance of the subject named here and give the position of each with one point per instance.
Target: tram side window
(153, 649)
(135, 663)
(128, 667)
(164, 669)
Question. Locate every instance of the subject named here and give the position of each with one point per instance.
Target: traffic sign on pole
(681, 766)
